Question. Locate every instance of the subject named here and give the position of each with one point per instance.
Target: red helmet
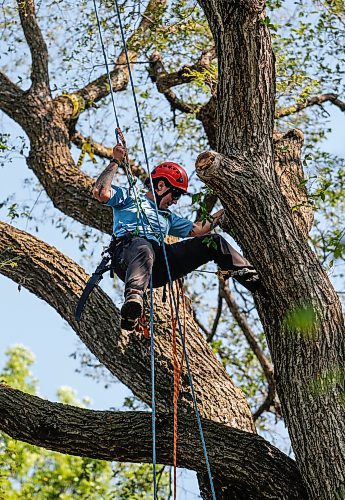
(172, 172)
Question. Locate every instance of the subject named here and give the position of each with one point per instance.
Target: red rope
(177, 373)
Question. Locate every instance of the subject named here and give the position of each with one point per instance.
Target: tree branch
(201, 326)
(254, 345)
(247, 331)
(11, 98)
(165, 81)
(59, 281)
(37, 45)
(217, 316)
(244, 461)
(119, 76)
(316, 100)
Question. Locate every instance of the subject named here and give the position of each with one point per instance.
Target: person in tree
(137, 248)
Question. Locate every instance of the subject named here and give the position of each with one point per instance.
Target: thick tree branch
(11, 98)
(244, 462)
(37, 46)
(59, 281)
(316, 100)
(289, 177)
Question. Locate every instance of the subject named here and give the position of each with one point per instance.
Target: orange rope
(177, 372)
(184, 327)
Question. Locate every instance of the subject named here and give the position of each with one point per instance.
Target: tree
(269, 214)
(27, 471)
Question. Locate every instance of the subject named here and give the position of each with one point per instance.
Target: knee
(145, 251)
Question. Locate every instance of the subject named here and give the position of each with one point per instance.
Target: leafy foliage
(29, 472)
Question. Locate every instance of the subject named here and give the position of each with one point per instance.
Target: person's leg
(134, 266)
(139, 258)
(187, 255)
(239, 268)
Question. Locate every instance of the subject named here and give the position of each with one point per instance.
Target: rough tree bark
(126, 436)
(308, 364)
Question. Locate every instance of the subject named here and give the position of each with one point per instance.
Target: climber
(137, 250)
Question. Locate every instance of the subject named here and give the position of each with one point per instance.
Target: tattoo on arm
(103, 183)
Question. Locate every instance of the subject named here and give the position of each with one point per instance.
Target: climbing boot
(129, 325)
(131, 310)
(246, 276)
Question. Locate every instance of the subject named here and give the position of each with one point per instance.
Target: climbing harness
(97, 276)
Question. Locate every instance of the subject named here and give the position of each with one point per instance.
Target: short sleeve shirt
(129, 219)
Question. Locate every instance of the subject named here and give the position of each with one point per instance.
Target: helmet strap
(159, 197)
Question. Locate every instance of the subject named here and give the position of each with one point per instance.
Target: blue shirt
(128, 219)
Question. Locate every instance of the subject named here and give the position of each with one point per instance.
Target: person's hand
(119, 152)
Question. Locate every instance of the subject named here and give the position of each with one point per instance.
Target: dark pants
(135, 258)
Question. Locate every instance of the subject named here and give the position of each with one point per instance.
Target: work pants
(135, 258)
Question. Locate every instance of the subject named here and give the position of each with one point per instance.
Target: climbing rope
(119, 136)
(165, 258)
(106, 67)
(153, 403)
(165, 255)
(177, 367)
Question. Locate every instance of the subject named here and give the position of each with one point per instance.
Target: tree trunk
(308, 354)
(297, 304)
(298, 307)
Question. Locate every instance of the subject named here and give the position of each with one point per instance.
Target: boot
(246, 276)
(132, 309)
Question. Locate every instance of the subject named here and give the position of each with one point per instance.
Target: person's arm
(199, 228)
(102, 188)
